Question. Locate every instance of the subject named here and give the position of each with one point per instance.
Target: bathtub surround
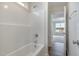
(18, 28)
(40, 12)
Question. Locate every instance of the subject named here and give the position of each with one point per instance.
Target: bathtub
(28, 50)
(38, 51)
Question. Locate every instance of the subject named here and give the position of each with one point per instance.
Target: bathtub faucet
(36, 38)
(35, 41)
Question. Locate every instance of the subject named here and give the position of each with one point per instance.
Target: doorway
(57, 28)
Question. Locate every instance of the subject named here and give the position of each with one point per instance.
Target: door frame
(65, 49)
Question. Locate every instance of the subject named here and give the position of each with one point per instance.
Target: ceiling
(57, 3)
(56, 6)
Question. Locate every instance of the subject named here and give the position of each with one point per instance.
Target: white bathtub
(38, 51)
(28, 50)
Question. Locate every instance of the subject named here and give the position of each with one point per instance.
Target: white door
(74, 29)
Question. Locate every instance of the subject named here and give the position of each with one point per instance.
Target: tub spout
(35, 46)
